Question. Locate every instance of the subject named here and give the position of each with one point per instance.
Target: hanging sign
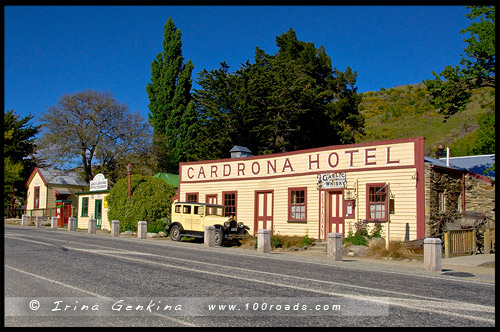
(331, 180)
(99, 182)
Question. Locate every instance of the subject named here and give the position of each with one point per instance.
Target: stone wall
(480, 196)
(448, 182)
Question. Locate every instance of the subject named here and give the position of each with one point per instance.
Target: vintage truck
(189, 219)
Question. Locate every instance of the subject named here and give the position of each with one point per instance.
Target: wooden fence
(464, 241)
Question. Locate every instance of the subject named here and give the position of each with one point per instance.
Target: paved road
(76, 272)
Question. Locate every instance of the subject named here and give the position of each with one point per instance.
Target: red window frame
(297, 204)
(192, 197)
(36, 198)
(377, 201)
(231, 203)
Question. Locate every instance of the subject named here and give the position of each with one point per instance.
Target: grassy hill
(405, 111)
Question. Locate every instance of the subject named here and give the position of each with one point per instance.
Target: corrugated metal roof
(477, 164)
(55, 176)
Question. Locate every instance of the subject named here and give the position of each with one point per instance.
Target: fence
(465, 241)
(18, 212)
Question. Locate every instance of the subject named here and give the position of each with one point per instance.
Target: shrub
(151, 200)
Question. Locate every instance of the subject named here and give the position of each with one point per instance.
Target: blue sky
(53, 50)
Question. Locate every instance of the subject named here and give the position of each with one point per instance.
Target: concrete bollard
(53, 222)
(142, 229)
(24, 220)
(92, 225)
(38, 221)
(115, 227)
(432, 254)
(209, 236)
(334, 246)
(72, 224)
(264, 241)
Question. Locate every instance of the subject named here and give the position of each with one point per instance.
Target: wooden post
(487, 241)
(447, 244)
(474, 243)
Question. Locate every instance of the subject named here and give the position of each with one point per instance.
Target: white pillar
(432, 254)
(92, 225)
(209, 236)
(142, 229)
(38, 221)
(264, 241)
(72, 224)
(115, 227)
(24, 220)
(334, 246)
(53, 222)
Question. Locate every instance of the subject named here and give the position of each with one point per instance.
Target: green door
(98, 212)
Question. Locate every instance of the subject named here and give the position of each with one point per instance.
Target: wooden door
(335, 212)
(263, 210)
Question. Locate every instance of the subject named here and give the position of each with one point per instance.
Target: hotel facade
(318, 191)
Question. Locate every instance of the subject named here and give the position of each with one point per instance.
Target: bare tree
(90, 125)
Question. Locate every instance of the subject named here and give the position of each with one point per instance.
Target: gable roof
(171, 179)
(477, 164)
(57, 177)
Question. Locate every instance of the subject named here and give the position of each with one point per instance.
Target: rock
(162, 234)
(127, 233)
(152, 235)
(351, 254)
(359, 250)
(376, 242)
(293, 248)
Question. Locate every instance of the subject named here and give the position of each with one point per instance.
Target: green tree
(151, 200)
(90, 125)
(169, 94)
(19, 148)
(288, 101)
(477, 67)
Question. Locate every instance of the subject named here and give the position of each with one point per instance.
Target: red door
(335, 212)
(263, 211)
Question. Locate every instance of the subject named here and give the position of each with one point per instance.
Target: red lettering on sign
(189, 175)
(213, 171)
(273, 167)
(336, 159)
(224, 170)
(351, 152)
(314, 161)
(241, 168)
(367, 156)
(253, 169)
(287, 164)
(201, 172)
(389, 161)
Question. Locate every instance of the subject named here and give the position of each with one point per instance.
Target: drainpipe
(463, 191)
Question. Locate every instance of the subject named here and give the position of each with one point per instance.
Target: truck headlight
(240, 225)
(227, 224)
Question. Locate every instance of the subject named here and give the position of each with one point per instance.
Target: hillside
(405, 111)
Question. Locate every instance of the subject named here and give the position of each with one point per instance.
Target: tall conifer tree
(169, 94)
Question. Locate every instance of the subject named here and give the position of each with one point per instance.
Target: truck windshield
(215, 211)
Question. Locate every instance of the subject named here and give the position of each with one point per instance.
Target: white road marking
(410, 304)
(94, 294)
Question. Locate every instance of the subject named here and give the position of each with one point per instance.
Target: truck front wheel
(219, 236)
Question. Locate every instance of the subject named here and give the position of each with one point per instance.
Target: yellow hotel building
(318, 191)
